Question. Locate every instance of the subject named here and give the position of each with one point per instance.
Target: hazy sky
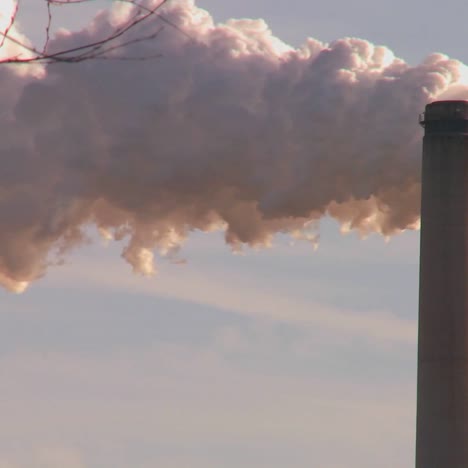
(281, 357)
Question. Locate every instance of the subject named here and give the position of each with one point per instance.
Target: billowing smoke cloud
(230, 129)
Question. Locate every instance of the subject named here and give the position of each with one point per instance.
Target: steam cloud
(230, 129)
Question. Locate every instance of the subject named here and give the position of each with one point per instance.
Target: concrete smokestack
(442, 409)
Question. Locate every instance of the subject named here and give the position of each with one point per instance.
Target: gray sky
(278, 357)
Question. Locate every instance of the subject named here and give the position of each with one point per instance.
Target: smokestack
(442, 409)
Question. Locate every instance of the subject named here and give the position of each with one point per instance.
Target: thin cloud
(226, 291)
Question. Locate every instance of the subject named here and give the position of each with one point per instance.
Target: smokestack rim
(448, 116)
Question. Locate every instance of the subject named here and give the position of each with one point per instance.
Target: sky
(296, 354)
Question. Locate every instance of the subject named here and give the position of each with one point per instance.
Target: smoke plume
(230, 129)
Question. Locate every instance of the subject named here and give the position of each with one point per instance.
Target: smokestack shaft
(442, 409)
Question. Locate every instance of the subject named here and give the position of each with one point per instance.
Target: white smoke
(230, 129)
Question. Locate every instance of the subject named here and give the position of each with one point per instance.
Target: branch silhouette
(99, 49)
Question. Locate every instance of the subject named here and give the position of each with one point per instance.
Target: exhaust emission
(231, 129)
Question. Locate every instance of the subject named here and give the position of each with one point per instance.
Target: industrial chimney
(442, 409)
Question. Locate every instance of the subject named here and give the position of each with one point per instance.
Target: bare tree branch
(99, 49)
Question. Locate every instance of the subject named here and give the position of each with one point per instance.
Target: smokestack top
(445, 117)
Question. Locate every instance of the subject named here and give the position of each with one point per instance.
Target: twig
(49, 22)
(10, 24)
(98, 49)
